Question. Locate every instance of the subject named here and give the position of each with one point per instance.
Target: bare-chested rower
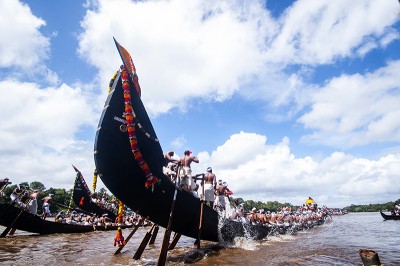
(185, 173)
(220, 193)
(169, 163)
(210, 182)
(46, 205)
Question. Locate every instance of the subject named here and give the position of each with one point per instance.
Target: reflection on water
(341, 238)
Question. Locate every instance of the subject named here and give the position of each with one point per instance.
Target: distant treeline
(372, 207)
(267, 206)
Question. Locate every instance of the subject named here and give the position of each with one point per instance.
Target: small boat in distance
(390, 216)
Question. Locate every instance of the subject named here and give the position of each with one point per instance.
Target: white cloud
(354, 110)
(22, 44)
(182, 49)
(260, 171)
(319, 32)
(39, 128)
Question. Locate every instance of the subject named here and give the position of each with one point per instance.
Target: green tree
(36, 185)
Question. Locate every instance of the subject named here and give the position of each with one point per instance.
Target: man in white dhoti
(210, 181)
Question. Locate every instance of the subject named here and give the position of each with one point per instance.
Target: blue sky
(284, 99)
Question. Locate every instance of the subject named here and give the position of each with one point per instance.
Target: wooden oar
(140, 222)
(7, 230)
(174, 241)
(164, 248)
(154, 235)
(75, 209)
(201, 214)
(143, 245)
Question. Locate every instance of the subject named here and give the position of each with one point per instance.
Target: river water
(341, 238)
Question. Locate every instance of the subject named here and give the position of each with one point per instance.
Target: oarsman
(185, 173)
(4, 182)
(311, 204)
(210, 182)
(60, 217)
(170, 164)
(220, 191)
(17, 194)
(32, 206)
(46, 205)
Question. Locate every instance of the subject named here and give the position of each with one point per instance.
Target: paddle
(7, 230)
(140, 222)
(76, 209)
(164, 248)
(154, 235)
(142, 245)
(201, 213)
(174, 241)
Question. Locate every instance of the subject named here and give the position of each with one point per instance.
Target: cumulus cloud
(182, 49)
(211, 50)
(39, 130)
(257, 170)
(353, 110)
(23, 46)
(319, 32)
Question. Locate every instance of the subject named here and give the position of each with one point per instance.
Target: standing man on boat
(32, 206)
(185, 173)
(210, 183)
(311, 204)
(220, 192)
(46, 206)
(169, 163)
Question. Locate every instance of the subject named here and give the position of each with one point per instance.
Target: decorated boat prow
(129, 160)
(83, 200)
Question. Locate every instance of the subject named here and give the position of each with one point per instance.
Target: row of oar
(149, 238)
(152, 233)
(10, 227)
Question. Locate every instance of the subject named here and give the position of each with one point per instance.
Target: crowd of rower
(76, 217)
(284, 216)
(27, 200)
(216, 195)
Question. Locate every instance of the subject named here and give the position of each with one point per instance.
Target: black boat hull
(34, 224)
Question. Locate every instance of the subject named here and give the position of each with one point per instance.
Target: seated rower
(16, 196)
(60, 218)
(3, 183)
